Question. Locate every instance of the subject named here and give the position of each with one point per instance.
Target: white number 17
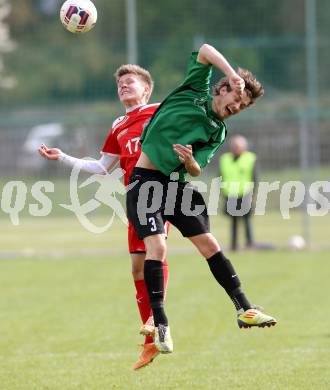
(133, 142)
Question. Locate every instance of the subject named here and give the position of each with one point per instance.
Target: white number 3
(153, 224)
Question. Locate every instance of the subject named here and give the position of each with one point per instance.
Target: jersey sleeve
(111, 144)
(198, 75)
(204, 154)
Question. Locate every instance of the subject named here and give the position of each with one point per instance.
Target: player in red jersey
(122, 146)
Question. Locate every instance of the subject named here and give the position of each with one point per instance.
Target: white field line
(59, 253)
(114, 355)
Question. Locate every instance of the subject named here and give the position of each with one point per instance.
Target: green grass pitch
(68, 318)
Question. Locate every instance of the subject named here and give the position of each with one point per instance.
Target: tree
(6, 45)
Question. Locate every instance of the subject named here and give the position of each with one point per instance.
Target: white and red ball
(78, 16)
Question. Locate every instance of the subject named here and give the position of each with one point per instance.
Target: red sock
(165, 272)
(142, 300)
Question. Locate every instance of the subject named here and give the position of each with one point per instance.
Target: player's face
(132, 90)
(227, 103)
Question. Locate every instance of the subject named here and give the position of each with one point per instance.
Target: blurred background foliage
(52, 65)
(48, 75)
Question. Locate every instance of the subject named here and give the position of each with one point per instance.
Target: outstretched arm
(209, 55)
(105, 164)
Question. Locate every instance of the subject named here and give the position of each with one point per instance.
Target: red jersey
(124, 137)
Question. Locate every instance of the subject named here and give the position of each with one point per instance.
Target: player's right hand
(49, 153)
(237, 84)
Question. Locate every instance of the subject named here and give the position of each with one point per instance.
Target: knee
(137, 272)
(137, 260)
(155, 247)
(208, 246)
(156, 252)
(211, 250)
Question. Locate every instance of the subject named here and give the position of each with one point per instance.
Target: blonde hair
(253, 87)
(138, 71)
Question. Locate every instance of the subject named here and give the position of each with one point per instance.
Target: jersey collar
(211, 113)
(130, 109)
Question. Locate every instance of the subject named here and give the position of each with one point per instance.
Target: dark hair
(253, 87)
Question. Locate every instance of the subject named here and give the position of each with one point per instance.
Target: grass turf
(68, 319)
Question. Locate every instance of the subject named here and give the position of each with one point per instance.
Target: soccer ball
(78, 16)
(297, 243)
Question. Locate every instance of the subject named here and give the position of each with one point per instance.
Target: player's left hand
(184, 152)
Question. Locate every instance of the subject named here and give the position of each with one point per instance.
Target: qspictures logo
(15, 194)
(110, 192)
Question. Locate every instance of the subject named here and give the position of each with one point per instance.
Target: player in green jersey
(182, 136)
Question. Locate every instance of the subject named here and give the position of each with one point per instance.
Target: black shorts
(155, 199)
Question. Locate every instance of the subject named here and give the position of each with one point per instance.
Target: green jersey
(185, 117)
